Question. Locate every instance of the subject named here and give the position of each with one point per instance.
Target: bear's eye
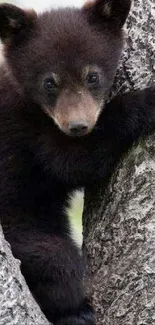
(92, 78)
(50, 84)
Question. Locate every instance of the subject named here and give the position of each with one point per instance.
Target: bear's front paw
(83, 316)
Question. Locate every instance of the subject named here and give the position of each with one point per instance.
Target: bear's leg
(53, 269)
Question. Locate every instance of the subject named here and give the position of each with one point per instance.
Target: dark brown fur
(84, 47)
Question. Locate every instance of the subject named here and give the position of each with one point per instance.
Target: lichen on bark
(137, 65)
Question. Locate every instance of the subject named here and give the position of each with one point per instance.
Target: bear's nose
(78, 128)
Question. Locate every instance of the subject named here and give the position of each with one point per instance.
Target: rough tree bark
(119, 223)
(17, 306)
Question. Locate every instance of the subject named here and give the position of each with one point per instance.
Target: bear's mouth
(78, 120)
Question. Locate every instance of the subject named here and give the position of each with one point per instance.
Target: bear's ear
(15, 22)
(113, 12)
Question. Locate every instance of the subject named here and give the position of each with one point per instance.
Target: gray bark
(119, 223)
(17, 306)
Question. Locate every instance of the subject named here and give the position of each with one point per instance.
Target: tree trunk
(17, 306)
(119, 222)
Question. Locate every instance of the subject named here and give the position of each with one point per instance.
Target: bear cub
(58, 134)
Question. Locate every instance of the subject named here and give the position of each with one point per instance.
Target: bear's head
(65, 60)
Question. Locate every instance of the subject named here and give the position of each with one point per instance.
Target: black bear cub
(58, 134)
